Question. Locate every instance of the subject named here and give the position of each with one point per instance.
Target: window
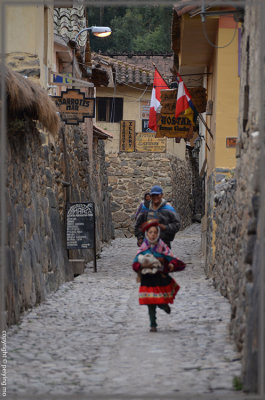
(109, 109)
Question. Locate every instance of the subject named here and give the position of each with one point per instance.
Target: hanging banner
(127, 136)
(74, 107)
(147, 142)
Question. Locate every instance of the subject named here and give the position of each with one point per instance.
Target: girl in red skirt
(153, 262)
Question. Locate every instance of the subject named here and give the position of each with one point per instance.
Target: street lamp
(99, 31)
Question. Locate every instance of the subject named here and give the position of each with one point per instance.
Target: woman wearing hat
(153, 262)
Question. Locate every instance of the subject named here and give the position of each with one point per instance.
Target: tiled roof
(69, 21)
(162, 62)
(101, 133)
(125, 72)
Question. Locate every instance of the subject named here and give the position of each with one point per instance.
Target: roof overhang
(195, 50)
(62, 50)
(101, 133)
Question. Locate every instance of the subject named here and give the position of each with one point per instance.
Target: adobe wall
(39, 172)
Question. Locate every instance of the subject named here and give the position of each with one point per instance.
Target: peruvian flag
(158, 84)
(184, 102)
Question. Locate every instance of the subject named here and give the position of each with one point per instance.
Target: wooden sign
(168, 101)
(172, 127)
(127, 136)
(80, 225)
(231, 142)
(199, 98)
(147, 142)
(74, 107)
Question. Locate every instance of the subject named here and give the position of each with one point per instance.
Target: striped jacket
(166, 214)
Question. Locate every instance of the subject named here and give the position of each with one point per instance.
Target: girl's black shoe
(167, 309)
(153, 329)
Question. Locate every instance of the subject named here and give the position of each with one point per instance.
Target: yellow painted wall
(227, 101)
(131, 111)
(29, 29)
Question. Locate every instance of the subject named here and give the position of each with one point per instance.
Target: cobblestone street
(91, 338)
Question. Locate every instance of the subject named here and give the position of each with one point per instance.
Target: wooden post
(95, 243)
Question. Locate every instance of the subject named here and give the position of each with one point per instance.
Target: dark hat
(156, 190)
(146, 225)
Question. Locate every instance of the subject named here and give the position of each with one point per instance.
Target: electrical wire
(112, 114)
(211, 43)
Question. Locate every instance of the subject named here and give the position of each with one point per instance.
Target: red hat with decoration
(146, 225)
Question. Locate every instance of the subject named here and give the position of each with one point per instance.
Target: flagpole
(159, 72)
(206, 126)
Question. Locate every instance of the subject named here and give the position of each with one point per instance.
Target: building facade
(134, 169)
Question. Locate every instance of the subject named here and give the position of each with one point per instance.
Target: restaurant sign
(172, 127)
(147, 142)
(74, 107)
(167, 124)
(127, 136)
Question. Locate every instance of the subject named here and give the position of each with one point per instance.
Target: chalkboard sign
(80, 225)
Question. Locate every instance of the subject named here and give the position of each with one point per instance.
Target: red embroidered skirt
(157, 289)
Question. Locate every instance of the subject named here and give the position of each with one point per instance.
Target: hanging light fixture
(99, 31)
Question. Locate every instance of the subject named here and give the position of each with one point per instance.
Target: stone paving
(91, 337)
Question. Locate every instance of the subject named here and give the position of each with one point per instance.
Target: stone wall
(41, 176)
(235, 215)
(238, 212)
(133, 174)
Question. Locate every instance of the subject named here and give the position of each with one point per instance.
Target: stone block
(52, 198)
(119, 217)
(112, 180)
(78, 266)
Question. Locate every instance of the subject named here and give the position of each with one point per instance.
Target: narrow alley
(91, 338)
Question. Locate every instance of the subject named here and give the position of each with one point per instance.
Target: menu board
(80, 225)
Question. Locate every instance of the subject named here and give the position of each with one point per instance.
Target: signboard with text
(147, 142)
(144, 109)
(167, 124)
(80, 225)
(172, 127)
(168, 101)
(127, 136)
(231, 142)
(74, 107)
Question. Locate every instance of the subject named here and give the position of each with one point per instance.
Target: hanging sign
(167, 124)
(168, 101)
(172, 127)
(74, 107)
(147, 142)
(127, 136)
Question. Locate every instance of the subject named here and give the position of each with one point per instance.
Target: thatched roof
(26, 98)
